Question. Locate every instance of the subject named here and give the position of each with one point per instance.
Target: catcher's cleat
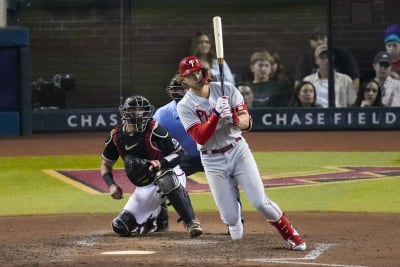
(148, 227)
(195, 229)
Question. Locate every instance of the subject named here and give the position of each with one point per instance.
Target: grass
(26, 190)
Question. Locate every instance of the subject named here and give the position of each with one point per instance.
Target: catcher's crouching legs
(124, 223)
(177, 195)
(162, 218)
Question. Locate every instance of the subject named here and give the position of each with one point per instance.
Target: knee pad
(124, 223)
(177, 195)
(167, 181)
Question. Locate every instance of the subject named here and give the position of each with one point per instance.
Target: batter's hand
(116, 192)
(223, 106)
(227, 115)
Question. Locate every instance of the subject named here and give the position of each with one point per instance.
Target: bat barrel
(219, 47)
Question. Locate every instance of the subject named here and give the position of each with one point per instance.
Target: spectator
(305, 96)
(345, 94)
(343, 60)
(267, 92)
(392, 45)
(203, 48)
(278, 71)
(369, 95)
(390, 87)
(247, 93)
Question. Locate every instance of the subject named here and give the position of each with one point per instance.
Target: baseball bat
(219, 46)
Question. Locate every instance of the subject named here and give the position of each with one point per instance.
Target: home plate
(128, 252)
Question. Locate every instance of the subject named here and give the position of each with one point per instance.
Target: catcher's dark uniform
(155, 143)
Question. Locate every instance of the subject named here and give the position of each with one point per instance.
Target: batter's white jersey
(193, 109)
(226, 169)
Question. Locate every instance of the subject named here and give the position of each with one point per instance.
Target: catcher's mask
(175, 90)
(137, 111)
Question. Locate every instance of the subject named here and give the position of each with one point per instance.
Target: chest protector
(141, 144)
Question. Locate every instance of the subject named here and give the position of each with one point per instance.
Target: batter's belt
(222, 149)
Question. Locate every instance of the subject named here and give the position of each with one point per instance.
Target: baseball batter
(151, 157)
(216, 122)
(167, 116)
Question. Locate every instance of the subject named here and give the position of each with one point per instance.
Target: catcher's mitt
(137, 170)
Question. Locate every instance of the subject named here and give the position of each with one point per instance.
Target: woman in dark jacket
(305, 95)
(369, 95)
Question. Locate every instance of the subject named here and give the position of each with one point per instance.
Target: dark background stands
(83, 38)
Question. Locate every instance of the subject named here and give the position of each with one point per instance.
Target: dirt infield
(92, 142)
(333, 239)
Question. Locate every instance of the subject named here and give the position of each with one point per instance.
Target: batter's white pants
(237, 165)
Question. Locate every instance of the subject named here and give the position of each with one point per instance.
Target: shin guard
(180, 200)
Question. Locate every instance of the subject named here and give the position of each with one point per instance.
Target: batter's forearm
(247, 124)
(201, 133)
(243, 120)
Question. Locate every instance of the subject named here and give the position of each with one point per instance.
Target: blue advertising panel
(326, 119)
(74, 120)
(264, 119)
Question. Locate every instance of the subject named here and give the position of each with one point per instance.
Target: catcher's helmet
(189, 64)
(137, 111)
(175, 90)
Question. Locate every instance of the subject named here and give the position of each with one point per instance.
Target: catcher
(151, 158)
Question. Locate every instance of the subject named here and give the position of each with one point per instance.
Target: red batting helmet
(189, 64)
